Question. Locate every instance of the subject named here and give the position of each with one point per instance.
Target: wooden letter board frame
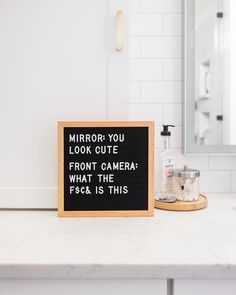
(111, 213)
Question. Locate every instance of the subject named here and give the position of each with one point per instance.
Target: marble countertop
(200, 244)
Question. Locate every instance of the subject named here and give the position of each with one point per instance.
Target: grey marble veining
(200, 244)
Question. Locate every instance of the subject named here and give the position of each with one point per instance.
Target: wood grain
(183, 206)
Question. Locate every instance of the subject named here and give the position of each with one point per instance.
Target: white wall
(156, 82)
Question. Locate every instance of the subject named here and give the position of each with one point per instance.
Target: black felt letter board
(106, 169)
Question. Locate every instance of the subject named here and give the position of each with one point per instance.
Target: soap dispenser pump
(166, 163)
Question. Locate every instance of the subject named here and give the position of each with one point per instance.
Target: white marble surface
(200, 244)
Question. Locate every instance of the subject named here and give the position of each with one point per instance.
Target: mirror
(210, 77)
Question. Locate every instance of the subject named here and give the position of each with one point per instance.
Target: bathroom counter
(200, 244)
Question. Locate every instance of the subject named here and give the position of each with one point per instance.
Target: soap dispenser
(165, 183)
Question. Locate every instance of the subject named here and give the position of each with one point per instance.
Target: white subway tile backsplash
(197, 162)
(172, 114)
(176, 138)
(161, 6)
(161, 92)
(172, 24)
(146, 24)
(155, 88)
(193, 162)
(143, 69)
(134, 92)
(172, 69)
(134, 47)
(146, 112)
(222, 162)
(215, 181)
(233, 182)
(161, 47)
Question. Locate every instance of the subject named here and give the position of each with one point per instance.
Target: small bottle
(166, 164)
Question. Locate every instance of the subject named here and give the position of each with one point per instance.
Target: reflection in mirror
(213, 73)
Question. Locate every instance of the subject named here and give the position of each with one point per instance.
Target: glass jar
(186, 183)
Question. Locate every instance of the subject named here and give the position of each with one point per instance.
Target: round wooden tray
(183, 206)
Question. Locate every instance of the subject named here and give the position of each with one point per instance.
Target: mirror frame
(189, 145)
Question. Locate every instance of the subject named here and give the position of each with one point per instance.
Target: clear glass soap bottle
(166, 164)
